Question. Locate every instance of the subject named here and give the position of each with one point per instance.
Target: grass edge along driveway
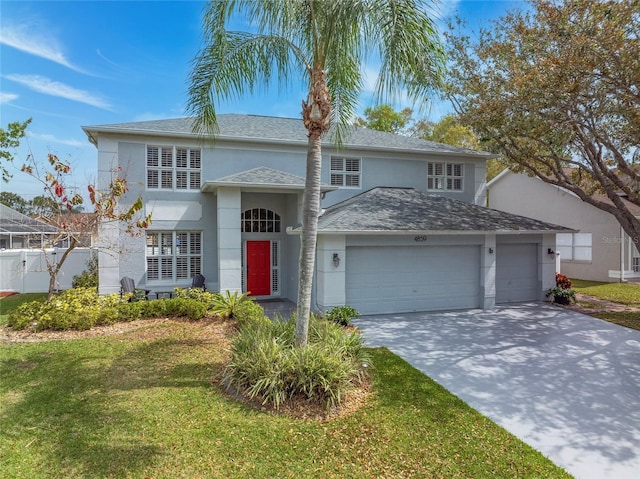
(142, 404)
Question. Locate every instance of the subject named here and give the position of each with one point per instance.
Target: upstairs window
(345, 172)
(443, 176)
(173, 168)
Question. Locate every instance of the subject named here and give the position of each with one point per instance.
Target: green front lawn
(623, 293)
(627, 294)
(142, 404)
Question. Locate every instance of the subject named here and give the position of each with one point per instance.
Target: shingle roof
(290, 130)
(405, 209)
(263, 177)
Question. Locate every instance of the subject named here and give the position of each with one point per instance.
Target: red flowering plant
(562, 293)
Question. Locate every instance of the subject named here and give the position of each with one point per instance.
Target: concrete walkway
(565, 383)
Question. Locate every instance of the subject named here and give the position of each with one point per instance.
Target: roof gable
(262, 177)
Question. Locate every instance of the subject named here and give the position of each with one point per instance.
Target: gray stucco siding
(397, 172)
(224, 161)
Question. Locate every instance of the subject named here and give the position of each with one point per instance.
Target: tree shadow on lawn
(67, 412)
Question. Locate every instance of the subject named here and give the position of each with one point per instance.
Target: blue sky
(67, 64)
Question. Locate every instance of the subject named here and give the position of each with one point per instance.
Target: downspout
(621, 255)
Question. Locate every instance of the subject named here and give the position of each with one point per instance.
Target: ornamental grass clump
(266, 365)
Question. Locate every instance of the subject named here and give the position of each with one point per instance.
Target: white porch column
(331, 278)
(488, 271)
(109, 240)
(109, 259)
(229, 240)
(547, 265)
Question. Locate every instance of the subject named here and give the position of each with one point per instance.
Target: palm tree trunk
(316, 114)
(311, 210)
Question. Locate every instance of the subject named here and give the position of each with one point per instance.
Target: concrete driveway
(565, 383)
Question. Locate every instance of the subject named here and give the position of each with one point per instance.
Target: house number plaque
(420, 238)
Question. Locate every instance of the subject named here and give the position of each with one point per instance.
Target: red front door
(259, 268)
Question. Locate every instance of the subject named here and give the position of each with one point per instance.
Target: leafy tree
(450, 131)
(325, 41)
(555, 91)
(43, 206)
(10, 138)
(385, 118)
(15, 201)
(73, 228)
(447, 130)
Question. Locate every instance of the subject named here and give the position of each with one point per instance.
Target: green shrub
(78, 308)
(25, 315)
(249, 311)
(226, 304)
(266, 365)
(83, 308)
(197, 294)
(183, 307)
(89, 277)
(154, 309)
(341, 314)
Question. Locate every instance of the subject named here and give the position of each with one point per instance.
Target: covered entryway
(517, 273)
(384, 279)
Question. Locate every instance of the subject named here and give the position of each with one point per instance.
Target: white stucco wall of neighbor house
(527, 196)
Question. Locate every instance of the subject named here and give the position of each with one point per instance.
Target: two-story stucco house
(403, 226)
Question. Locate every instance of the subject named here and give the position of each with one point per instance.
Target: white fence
(25, 270)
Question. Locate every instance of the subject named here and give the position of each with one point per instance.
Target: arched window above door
(260, 220)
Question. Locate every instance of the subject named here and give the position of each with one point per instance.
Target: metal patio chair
(127, 285)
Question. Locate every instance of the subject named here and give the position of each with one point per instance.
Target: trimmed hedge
(83, 308)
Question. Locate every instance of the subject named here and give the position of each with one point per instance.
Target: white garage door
(517, 273)
(388, 279)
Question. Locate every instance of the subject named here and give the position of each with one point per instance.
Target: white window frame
(173, 168)
(345, 171)
(260, 220)
(575, 247)
(442, 176)
(173, 256)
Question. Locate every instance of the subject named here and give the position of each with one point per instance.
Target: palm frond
(236, 64)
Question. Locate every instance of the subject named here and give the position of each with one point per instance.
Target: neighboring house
(598, 250)
(24, 241)
(83, 225)
(403, 227)
(18, 231)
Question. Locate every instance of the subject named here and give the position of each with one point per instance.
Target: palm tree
(326, 41)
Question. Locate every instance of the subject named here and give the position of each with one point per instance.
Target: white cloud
(7, 97)
(48, 138)
(27, 38)
(51, 87)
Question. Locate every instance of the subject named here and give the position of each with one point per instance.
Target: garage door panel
(400, 279)
(517, 273)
